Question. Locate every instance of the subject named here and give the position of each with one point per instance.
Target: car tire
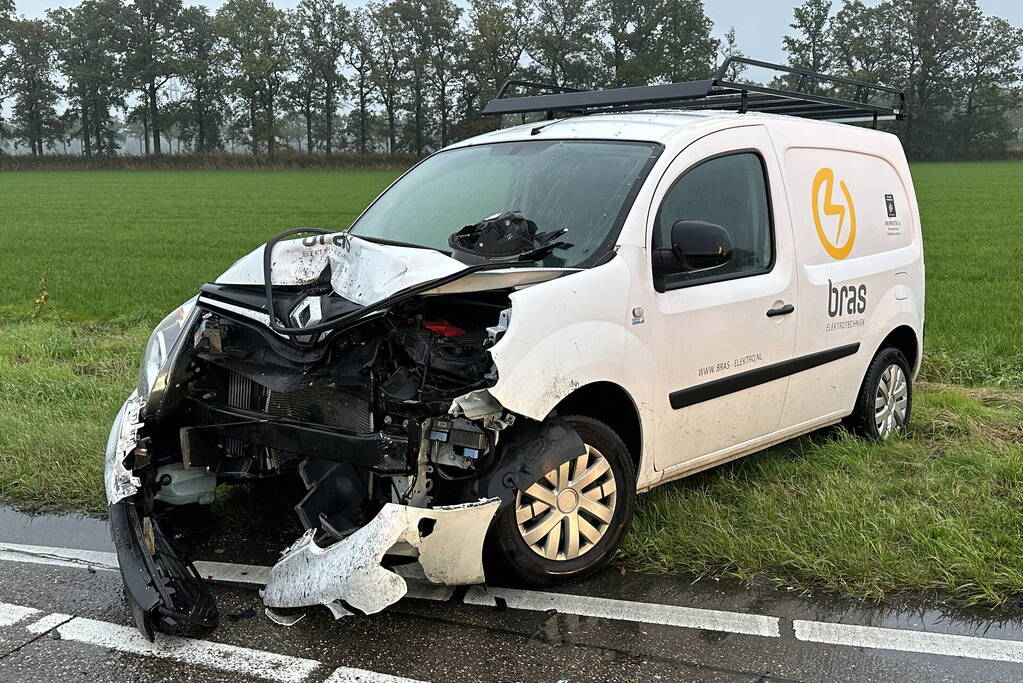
(587, 534)
(885, 402)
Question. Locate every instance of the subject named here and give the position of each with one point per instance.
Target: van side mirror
(695, 245)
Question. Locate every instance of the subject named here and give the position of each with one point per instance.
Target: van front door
(725, 335)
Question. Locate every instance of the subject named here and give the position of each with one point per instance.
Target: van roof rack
(831, 98)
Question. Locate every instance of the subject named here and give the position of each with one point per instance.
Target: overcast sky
(759, 24)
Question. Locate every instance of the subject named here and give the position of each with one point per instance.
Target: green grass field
(135, 244)
(937, 511)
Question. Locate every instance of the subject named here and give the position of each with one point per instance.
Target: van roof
(661, 126)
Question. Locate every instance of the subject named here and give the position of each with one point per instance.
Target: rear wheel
(570, 522)
(885, 401)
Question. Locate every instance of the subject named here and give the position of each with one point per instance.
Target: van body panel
(858, 242)
(708, 331)
(580, 329)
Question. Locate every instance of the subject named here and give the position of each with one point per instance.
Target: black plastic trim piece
(164, 591)
(684, 398)
(378, 451)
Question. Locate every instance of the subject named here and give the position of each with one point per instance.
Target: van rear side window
(730, 191)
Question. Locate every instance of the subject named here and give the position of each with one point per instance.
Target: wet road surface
(62, 618)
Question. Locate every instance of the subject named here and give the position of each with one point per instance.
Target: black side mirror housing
(695, 245)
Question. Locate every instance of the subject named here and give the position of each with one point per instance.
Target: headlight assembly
(161, 344)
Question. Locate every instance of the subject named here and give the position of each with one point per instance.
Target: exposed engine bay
(359, 370)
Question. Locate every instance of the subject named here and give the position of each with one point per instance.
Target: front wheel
(570, 522)
(885, 400)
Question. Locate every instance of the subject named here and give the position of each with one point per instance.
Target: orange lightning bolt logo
(823, 191)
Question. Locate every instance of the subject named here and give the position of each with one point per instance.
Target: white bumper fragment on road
(449, 542)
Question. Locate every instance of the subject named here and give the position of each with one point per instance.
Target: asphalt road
(62, 618)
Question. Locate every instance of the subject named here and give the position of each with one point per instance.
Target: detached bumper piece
(164, 591)
(348, 577)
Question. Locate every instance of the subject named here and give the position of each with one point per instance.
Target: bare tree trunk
(200, 117)
(271, 143)
(329, 127)
(86, 146)
(254, 142)
(362, 116)
(309, 128)
(154, 114)
(444, 116)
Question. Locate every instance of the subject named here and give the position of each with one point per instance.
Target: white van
(636, 296)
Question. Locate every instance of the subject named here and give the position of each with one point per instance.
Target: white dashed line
(582, 605)
(922, 642)
(12, 614)
(241, 660)
(221, 656)
(57, 557)
(346, 675)
(625, 610)
(48, 623)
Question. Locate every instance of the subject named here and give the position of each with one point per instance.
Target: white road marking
(48, 623)
(12, 614)
(241, 660)
(75, 558)
(582, 605)
(59, 557)
(923, 642)
(253, 574)
(346, 675)
(626, 610)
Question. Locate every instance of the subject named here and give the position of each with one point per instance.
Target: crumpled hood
(365, 272)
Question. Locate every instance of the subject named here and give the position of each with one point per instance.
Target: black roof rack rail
(839, 98)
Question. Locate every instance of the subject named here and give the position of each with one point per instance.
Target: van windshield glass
(586, 186)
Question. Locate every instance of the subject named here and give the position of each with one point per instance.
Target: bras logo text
(846, 300)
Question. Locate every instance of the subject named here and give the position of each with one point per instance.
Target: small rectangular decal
(889, 201)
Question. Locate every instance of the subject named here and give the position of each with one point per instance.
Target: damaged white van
(523, 332)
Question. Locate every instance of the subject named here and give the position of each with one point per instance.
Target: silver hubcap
(569, 510)
(891, 401)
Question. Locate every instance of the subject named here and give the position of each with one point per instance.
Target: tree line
(410, 76)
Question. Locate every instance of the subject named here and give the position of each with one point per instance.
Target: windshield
(586, 186)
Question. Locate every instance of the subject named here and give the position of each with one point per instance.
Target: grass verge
(936, 511)
(60, 387)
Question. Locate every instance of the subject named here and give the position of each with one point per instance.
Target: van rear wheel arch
(905, 339)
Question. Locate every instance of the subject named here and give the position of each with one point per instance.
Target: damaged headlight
(161, 344)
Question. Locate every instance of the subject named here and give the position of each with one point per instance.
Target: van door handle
(781, 310)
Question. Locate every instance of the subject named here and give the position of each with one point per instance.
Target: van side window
(730, 191)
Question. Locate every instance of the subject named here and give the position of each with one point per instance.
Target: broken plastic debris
(284, 619)
(348, 575)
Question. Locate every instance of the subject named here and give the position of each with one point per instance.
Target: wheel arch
(614, 406)
(905, 339)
